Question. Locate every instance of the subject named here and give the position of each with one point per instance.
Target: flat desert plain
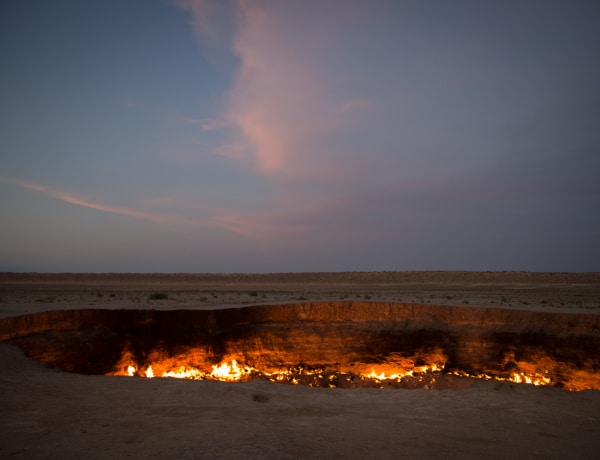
(46, 413)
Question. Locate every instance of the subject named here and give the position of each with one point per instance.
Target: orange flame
(515, 377)
(235, 372)
(400, 375)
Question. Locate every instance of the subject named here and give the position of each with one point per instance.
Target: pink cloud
(292, 216)
(258, 226)
(283, 105)
(86, 203)
(357, 105)
(209, 124)
(279, 102)
(287, 220)
(263, 226)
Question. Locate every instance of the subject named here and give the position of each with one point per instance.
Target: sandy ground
(51, 414)
(565, 292)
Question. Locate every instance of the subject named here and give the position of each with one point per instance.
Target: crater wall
(339, 336)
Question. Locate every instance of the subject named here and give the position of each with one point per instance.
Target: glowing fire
(230, 372)
(515, 377)
(531, 379)
(235, 372)
(400, 375)
(225, 372)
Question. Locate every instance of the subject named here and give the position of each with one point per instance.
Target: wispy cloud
(261, 225)
(78, 200)
(264, 226)
(330, 219)
(283, 105)
(209, 124)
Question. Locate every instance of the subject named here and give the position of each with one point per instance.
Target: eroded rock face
(346, 337)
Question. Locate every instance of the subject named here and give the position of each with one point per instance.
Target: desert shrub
(158, 296)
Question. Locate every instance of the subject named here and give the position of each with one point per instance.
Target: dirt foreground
(52, 414)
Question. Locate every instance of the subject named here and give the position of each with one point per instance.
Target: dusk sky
(270, 135)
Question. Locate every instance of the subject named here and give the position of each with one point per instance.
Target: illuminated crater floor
(325, 344)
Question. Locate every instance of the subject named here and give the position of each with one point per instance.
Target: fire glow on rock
(342, 344)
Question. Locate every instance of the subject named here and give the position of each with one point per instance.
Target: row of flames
(515, 377)
(225, 372)
(233, 372)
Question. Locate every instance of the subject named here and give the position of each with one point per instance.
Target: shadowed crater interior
(334, 344)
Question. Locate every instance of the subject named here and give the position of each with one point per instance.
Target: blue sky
(266, 136)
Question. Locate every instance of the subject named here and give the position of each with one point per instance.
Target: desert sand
(48, 413)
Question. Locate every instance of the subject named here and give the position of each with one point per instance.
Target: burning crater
(328, 344)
